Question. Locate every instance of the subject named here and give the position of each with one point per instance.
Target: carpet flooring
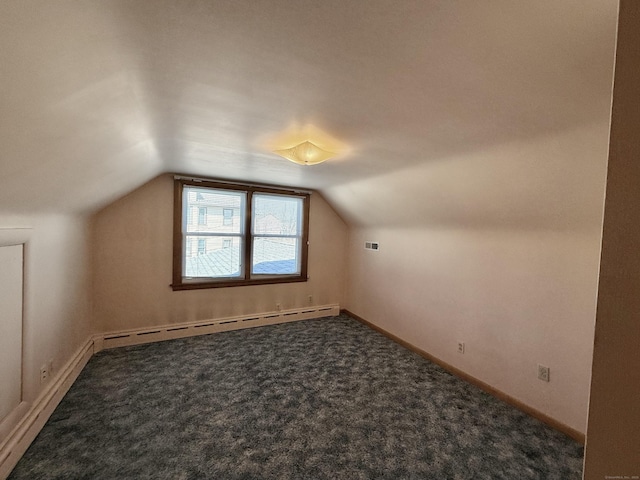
(316, 399)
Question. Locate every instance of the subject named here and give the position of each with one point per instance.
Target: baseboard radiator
(13, 447)
(204, 327)
(17, 442)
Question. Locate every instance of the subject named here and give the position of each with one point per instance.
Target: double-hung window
(246, 235)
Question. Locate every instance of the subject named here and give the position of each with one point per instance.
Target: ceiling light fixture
(305, 153)
(304, 145)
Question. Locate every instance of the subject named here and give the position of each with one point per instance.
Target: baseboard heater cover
(204, 327)
(17, 442)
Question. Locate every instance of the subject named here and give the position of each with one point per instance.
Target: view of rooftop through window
(277, 231)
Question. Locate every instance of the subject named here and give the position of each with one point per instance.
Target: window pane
(213, 211)
(277, 215)
(275, 256)
(212, 256)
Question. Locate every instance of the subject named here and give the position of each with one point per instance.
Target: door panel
(10, 328)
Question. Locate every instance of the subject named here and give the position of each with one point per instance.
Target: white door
(10, 328)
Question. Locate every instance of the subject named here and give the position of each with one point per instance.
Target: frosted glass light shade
(305, 153)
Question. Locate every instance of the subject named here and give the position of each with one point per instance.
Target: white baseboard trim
(204, 327)
(19, 439)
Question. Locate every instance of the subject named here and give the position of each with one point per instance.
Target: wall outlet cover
(543, 373)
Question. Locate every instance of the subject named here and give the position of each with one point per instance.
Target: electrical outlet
(278, 307)
(543, 373)
(50, 365)
(460, 347)
(310, 298)
(44, 373)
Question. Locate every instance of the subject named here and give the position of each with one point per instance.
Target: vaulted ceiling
(99, 96)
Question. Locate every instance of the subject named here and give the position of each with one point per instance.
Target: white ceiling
(97, 97)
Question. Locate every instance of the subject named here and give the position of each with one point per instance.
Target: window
(202, 246)
(202, 215)
(227, 216)
(245, 235)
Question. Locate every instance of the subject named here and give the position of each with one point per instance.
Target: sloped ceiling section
(96, 97)
(73, 131)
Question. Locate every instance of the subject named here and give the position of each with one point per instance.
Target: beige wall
(500, 250)
(132, 241)
(57, 305)
(613, 435)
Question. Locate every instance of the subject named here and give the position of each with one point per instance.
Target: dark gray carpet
(325, 399)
